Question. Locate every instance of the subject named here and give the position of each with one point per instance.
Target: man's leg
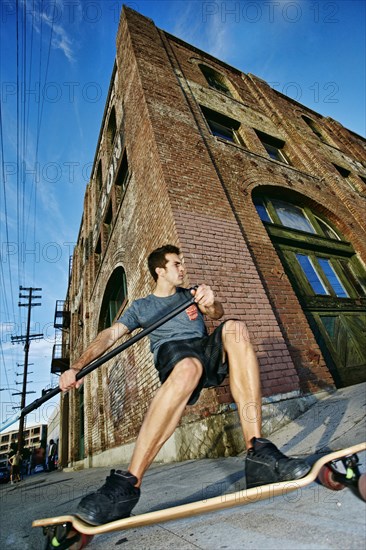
(164, 414)
(244, 378)
(264, 462)
(121, 492)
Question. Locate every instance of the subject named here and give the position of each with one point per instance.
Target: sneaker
(114, 500)
(266, 464)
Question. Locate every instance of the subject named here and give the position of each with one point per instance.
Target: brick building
(266, 200)
(34, 437)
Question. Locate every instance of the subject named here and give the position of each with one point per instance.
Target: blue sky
(312, 51)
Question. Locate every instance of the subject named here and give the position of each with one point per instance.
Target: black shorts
(208, 350)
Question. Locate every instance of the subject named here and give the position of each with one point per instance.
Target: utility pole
(26, 339)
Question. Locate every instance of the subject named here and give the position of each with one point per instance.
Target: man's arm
(98, 347)
(207, 303)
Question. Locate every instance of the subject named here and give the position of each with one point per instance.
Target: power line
(6, 221)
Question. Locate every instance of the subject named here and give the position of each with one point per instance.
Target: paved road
(311, 518)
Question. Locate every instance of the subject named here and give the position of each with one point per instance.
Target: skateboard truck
(63, 536)
(343, 472)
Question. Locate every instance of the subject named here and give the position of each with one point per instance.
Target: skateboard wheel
(326, 478)
(65, 536)
(362, 486)
(82, 542)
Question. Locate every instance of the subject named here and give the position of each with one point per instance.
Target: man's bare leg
(164, 414)
(244, 378)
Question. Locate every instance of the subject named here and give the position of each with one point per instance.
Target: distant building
(53, 431)
(33, 437)
(266, 199)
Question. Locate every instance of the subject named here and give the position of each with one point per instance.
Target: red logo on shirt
(192, 312)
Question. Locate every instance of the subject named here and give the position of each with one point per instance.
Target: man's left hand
(204, 296)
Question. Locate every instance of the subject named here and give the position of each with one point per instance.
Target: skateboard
(335, 471)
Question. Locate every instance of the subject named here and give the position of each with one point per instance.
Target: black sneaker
(266, 464)
(114, 500)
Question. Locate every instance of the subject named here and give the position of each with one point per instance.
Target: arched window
(215, 79)
(314, 128)
(114, 297)
(328, 279)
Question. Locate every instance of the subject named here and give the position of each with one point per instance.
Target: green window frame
(323, 274)
(331, 270)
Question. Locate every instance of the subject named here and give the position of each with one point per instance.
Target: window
(98, 253)
(273, 146)
(301, 218)
(114, 296)
(98, 248)
(345, 173)
(322, 275)
(313, 127)
(342, 171)
(262, 211)
(332, 278)
(222, 126)
(215, 79)
(327, 230)
(292, 216)
(354, 277)
(311, 274)
(328, 279)
(99, 176)
(107, 223)
(111, 128)
(122, 177)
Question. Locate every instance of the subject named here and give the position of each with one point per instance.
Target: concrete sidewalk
(311, 518)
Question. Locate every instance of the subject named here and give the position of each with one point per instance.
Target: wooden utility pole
(26, 339)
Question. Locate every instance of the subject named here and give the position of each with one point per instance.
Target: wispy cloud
(218, 37)
(187, 25)
(60, 38)
(209, 33)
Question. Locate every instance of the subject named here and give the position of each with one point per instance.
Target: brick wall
(189, 188)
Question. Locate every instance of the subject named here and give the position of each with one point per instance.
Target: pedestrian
(52, 451)
(187, 360)
(15, 465)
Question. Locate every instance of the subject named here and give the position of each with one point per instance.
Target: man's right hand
(100, 345)
(68, 380)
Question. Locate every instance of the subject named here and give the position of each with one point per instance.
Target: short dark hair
(157, 258)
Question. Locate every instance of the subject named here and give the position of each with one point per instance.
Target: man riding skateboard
(187, 360)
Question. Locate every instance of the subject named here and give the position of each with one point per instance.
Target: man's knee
(186, 374)
(235, 332)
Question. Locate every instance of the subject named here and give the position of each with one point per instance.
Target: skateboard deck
(326, 468)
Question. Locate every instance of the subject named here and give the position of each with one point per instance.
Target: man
(187, 360)
(15, 463)
(52, 449)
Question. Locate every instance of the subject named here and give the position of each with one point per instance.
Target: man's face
(174, 270)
